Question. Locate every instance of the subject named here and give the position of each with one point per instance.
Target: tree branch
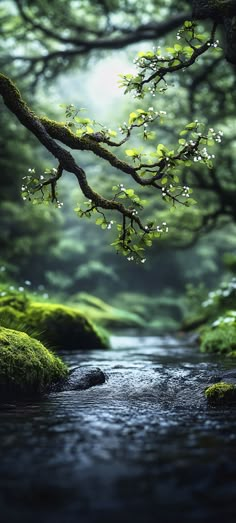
(15, 103)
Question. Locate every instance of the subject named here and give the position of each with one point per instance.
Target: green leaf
(112, 133)
(188, 51)
(178, 47)
(130, 193)
(200, 37)
(141, 54)
(150, 135)
(191, 201)
(89, 130)
(148, 242)
(122, 196)
(131, 152)
(164, 180)
(132, 117)
(209, 164)
(149, 54)
(191, 125)
(137, 200)
(176, 62)
(83, 121)
(160, 150)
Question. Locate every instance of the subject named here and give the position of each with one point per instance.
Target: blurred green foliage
(52, 248)
(56, 325)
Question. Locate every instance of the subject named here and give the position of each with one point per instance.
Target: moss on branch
(61, 132)
(13, 100)
(133, 234)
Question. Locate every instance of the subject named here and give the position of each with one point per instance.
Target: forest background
(61, 55)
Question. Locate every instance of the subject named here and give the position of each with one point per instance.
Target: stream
(142, 447)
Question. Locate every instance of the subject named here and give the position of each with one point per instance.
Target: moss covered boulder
(15, 300)
(64, 327)
(221, 393)
(232, 354)
(26, 366)
(58, 326)
(220, 339)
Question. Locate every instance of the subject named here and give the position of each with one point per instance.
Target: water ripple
(127, 447)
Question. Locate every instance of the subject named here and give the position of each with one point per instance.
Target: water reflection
(144, 445)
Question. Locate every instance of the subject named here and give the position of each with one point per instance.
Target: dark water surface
(143, 447)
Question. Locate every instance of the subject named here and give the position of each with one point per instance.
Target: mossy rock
(57, 326)
(221, 393)
(15, 300)
(26, 366)
(219, 340)
(65, 327)
(232, 354)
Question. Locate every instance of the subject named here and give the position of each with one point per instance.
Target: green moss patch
(26, 366)
(64, 327)
(221, 393)
(15, 300)
(220, 340)
(232, 354)
(55, 325)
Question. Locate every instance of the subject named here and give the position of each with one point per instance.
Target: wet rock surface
(229, 376)
(82, 378)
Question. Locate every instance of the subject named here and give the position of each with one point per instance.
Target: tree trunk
(214, 9)
(223, 12)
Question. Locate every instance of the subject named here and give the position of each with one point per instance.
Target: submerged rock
(81, 379)
(229, 375)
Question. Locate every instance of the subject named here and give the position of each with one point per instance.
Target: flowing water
(143, 447)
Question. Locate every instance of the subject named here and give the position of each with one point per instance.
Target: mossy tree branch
(32, 122)
(143, 172)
